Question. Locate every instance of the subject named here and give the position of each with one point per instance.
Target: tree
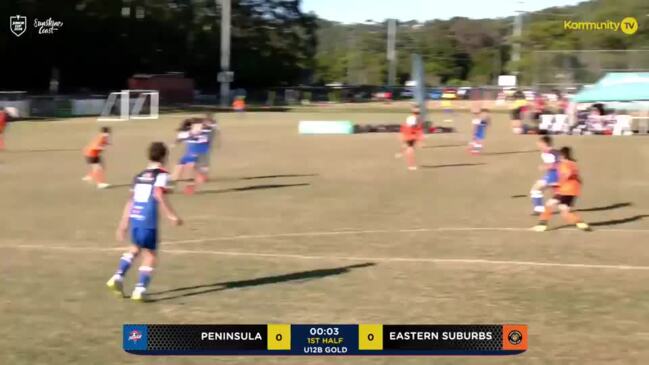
(103, 42)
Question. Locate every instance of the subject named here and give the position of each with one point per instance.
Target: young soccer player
(195, 142)
(518, 110)
(566, 192)
(411, 133)
(239, 104)
(182, 135)
(211, 132)
(550, 179)
(141, 215)
(480, 124)
(446, 104)
(4, 116)
(93, 153)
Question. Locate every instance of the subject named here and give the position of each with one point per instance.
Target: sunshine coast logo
(47, 26)
(18, 25)
(628, 25)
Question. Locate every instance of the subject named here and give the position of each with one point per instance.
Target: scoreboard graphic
(324, 339)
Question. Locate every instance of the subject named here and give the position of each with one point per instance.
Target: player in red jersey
(412, 131)
(3, 124)
(5, 114)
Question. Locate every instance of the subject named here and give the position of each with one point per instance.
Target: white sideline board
(326, 127)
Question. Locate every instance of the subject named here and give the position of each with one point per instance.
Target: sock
(200, 177)
(124, 264)
(537, 200)
(189, 189)
(145, 277)
(477, 146)
(410, 157)
(99, 176)
(545, 216)
(205, 173)
(572, 218)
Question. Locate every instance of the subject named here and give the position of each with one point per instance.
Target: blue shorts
(551, 178)
(145, 237)
(479, 133)
(187, 159)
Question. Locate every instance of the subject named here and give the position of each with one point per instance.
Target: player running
(550, 179)
(566, 192)
(196, 143)
(239, 104)
(5, 114)
(4, 117)
(411, 132)
(480, 124)
(447, 104)
(518, 110)
(141, 215)
(211, 132)
(93, 152)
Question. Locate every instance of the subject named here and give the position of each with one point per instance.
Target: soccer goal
(131, 104)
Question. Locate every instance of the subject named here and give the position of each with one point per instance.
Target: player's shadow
(606, 207)
(251, 188)
(276, 176)
(300, 276)
(508, 153)
(451, 165)
(613, 222)
(446, 145)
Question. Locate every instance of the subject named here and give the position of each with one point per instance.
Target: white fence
(23, 106)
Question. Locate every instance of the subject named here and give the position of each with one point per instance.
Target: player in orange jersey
(566, 193)
(239, 104)
(411, 132)
(93, 152)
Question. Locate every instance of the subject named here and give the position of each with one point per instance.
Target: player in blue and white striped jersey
(141, 216)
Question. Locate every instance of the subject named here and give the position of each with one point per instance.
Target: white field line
(348, 258)
(377, 231)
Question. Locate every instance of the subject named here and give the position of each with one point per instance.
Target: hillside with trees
(474, 51)
(274, 43)
(103, 42)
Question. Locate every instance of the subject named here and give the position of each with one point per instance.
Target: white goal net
(131, 104)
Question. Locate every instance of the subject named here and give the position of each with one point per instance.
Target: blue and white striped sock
(537, 200)
(145, 277)
(124, 264)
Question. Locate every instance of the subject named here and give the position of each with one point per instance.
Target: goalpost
(131, 104)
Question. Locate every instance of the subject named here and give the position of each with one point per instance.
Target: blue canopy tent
(617, 87)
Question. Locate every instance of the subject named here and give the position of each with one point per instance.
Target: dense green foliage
(103, 42)
(474, 51)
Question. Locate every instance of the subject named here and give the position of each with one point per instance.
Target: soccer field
(326, 229)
